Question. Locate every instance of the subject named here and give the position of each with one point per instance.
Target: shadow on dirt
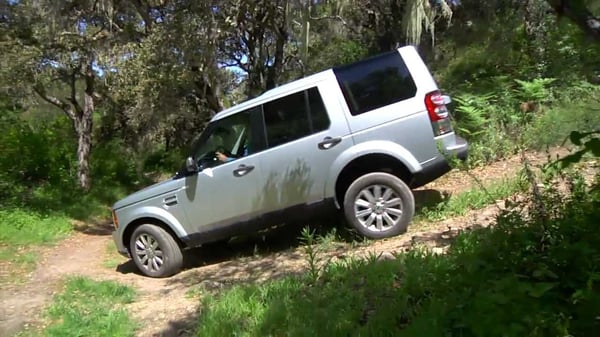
(95, 227)
(259, 246)
(427, 198)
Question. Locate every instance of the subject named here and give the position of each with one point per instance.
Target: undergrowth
(473, 199)
(534, 273)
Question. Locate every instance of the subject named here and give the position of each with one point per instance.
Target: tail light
(438, 113)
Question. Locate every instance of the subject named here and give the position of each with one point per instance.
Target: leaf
(538, 290)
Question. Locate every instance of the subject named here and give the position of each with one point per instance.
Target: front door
(222, 195)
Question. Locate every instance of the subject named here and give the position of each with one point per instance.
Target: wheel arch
(368, 163)
(131, 227)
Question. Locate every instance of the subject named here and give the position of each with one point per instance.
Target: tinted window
(375, 82)
(232, 136)
(295, 116)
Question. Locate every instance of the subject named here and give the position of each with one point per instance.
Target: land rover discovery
(355, 138)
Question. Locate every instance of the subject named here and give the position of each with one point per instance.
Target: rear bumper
(439, 166)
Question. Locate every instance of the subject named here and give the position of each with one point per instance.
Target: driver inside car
(240, 149)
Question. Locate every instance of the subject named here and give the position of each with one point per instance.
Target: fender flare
(157, 213)
(383, 147)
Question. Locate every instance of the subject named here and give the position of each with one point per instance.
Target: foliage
(536, 90)
(19, 227)
(588, 142)
(38, 169)
(527, 275)
(90, 308)
(472, 113)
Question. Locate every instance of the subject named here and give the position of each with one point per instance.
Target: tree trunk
(84, 145)
(84, 131)
(536, 31)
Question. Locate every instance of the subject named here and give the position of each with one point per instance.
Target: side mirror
(190, 165)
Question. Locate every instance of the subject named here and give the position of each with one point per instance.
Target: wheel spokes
(378, 207)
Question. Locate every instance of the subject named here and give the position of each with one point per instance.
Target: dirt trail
(163, 306)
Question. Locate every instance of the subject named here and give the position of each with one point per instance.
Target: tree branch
(65, 107)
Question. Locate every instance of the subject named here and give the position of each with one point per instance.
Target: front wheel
(155, 252)
(379, 205)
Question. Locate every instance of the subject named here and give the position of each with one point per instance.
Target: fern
(536, 90)
(472, 113)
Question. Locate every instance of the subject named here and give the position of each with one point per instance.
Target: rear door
(303, 138)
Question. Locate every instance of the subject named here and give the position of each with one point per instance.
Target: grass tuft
(91, 308)
(476, 198)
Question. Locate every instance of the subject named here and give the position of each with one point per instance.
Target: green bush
(38, 169)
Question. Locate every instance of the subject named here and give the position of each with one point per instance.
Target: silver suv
(355, 138)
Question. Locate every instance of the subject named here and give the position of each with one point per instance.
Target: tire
(379, 205)
(155, 252)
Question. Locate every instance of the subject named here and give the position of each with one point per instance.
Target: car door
(220, 198)
(302, 141)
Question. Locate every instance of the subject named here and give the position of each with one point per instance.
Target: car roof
(293, 86)
(268, 95)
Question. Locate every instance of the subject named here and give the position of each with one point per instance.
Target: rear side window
(295, 116)
(375, 82)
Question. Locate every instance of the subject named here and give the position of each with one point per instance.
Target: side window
(375, 82)
(295, 116)
(231, 137)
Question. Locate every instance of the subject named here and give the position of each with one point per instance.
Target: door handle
(329, 142)
(242, 170)
(170, 200)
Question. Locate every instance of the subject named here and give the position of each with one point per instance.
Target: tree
(254, 36)
(59, 46)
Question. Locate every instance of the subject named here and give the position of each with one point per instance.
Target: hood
(149, 192)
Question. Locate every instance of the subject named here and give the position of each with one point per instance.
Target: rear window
(375, 82)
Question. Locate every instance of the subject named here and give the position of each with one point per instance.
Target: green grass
(476, 198)
(113, 258)
(22, 233)
(91, 308)
(19, 227)
(555, 124)
(536, 277)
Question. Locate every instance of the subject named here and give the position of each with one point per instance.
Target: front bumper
(116, 235)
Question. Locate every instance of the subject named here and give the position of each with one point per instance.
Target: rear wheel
(379, 205)
(155, 252)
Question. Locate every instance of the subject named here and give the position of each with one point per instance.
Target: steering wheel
(208, 160)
